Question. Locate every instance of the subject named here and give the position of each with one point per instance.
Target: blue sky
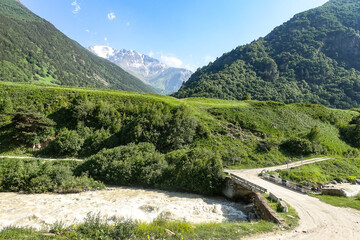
(181, 33)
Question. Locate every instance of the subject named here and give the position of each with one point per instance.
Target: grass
(353, 202)
(159, 229)
(323, 172)
(291, 217)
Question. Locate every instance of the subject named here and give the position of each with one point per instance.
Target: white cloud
(172, 61)
(87, 30)
(77, 7)
(105, 39)
(151, 54)
(111, 16)
(191, 67)
(208, 59)
(128, 24)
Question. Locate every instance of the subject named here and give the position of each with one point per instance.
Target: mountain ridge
(33, 50)
(313, 57)
(149, 70)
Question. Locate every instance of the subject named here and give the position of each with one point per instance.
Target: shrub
(126, 165)
(198, 170)
(95, 142)
(67, 143)
(37, 177)
(298, 146)
(351, 178)
(314, 134)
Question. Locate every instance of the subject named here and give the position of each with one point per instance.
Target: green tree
(67, 143)
(30, 127)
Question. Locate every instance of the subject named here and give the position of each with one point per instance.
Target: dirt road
(318, 220)
(46, 159)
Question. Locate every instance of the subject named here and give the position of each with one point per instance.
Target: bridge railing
(252, 186)
(286, 183)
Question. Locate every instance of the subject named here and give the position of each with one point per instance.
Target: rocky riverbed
(40, 211)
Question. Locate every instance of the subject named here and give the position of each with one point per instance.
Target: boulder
(357, 181)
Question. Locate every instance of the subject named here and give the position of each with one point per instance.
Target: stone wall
(286, 183)
(333, 192)
(266, 212)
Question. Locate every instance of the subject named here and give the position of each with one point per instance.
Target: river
(40, 211)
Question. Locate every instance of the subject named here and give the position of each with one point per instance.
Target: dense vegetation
(33, 50)
(312, 58)
(160, 141)
(198, 170)
(36, 176)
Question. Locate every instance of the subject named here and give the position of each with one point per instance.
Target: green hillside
(33, 50)
(314, 57)
(258, 133)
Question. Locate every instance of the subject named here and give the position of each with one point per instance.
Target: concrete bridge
(239, 185)
(238, 188)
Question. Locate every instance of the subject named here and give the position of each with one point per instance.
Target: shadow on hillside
(63, 118)
(7, 142)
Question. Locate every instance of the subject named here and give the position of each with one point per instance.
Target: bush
(351, 134)
(198, 170)
(314, 134)
(37, 177)
(95, 142)
(67, 143)
(297, 146)
(126, 165)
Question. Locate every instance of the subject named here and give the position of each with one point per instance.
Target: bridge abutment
(236, 192)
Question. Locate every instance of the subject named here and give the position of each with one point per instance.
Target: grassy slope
(323, 172)
(236, 128)
(353, 202)
(340, 169)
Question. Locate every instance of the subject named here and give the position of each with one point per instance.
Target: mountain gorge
(150, 70)
(314, 57)
(33, 50)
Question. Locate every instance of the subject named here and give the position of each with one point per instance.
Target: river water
(40, 211)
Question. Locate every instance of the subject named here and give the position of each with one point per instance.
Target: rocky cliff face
(150, 70)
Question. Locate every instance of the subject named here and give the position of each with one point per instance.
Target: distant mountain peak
(146, 68)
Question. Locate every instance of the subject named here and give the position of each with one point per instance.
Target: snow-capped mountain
(149, 70)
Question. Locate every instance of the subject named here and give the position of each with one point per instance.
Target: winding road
(318, 220)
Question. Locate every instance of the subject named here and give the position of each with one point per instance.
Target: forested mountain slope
(33, 50)
(314, 57)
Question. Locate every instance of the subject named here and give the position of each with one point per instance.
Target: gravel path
(46, 159)
(318, 220)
